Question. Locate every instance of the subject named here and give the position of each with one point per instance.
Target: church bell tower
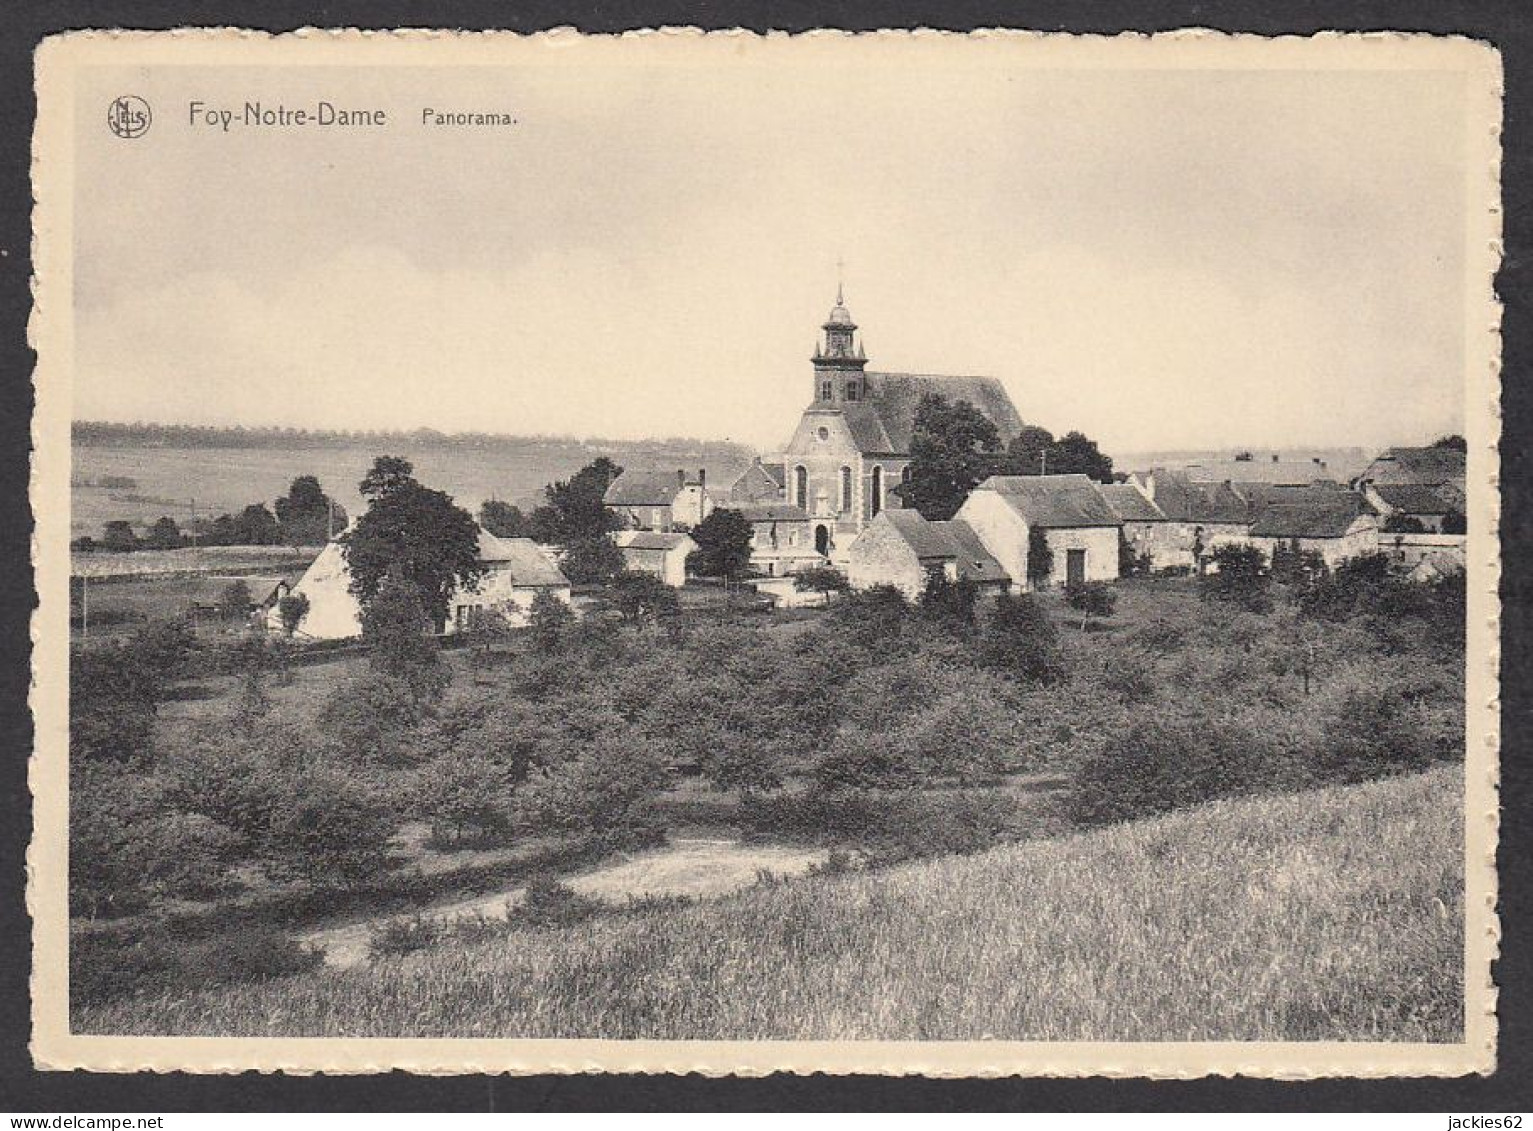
(839, 361)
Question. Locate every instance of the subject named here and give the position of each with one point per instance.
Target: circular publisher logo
(128, 116)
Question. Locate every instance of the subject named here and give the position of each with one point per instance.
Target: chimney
(702, 477)
(1274, 457)
(681, 478)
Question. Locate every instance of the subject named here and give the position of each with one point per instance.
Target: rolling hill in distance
(186, 471)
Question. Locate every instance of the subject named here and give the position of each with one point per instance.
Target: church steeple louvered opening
(839, 361)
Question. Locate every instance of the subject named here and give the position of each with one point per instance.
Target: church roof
(954, 540)
(1054, 502)
(885, 420)
(1412, 498)
(642, 489)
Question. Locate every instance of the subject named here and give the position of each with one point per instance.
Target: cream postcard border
(51, 334)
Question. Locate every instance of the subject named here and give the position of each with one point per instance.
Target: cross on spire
(840, 272)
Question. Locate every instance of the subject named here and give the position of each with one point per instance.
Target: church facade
(852, 444)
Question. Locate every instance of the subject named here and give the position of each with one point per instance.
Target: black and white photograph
(906, 553)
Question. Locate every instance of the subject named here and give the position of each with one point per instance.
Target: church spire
(839, 361)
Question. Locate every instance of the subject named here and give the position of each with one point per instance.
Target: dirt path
(701, 869)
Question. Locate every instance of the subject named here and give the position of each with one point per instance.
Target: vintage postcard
(679, 552)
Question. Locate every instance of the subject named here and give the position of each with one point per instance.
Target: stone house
(758, 483)
(659, 500)
(1337, 528)
(1426, 467)
(1427, 505)
(1200, 516)
(781, 541)
(516, 571)
(1424, 556)
(660, 553)
(902, 549)
(1079, 528)
(1150, 535)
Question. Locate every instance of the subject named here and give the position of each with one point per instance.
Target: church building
(852, 444)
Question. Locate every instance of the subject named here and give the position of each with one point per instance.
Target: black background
(1507, 25)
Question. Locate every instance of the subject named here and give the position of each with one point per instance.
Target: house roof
(521, 558)
(1314, 518)
(770, 512)
(1416, 465)
(954, 540)
(211, 590)
(1412, 498)
(1293, 472)
(651, 540)
(1130, 504)
(1183, 500)
(885, 420)
(1054, 501)
(642, 489)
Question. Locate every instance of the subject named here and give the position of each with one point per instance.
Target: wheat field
(1335, 915)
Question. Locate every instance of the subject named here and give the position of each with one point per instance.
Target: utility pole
(84, 605)
(1043, 461)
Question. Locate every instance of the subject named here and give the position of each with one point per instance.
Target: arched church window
(876, 501)
(846, 488)
(801, 486)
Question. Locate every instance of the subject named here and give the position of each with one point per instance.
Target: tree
(257, 526)
(292, 608)
(641, 596)
(1029, 452)
(164, 534)
(502, 519)
(949, 455)
(575, 511)
(396, 626)
(118, 535)
(235, 600)
(1091, 599)
(307, 516)
(825, 579)
(1076, 454)
(1040, 557)
(1240, 576)
(723, 545)
(419, 533)
(591, 561)
(1294, 566)
(1453, 443)
(1402, 523)
(951, 603)
(549, 620)
(1018, 638)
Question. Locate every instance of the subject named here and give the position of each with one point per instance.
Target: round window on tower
(823, 433)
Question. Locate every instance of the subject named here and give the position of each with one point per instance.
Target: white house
(1079, 528)
(661, 553)
(516, 571)
(902, 549)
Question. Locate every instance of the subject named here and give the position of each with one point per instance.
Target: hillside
(1329, 915)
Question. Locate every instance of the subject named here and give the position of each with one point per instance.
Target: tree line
(305, 516)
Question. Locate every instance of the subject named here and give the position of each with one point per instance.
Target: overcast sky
(1158, 259)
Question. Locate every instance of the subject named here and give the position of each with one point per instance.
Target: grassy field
(1331, 915)
(224, 480)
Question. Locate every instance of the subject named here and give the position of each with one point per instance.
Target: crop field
(174, 481)
(1332, 915)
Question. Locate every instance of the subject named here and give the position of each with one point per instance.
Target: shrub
(395, 937)
(1019, 638)
(1165, 763)
(641, 597)
(603, 791)
(154, 960)
(1376, 731)
(1091, 599)
(326, 830)
(1240, 577)
(549, 620)
(1040, 557)
(370, 717)
(467, 793)
(549, 903)
(892, 825)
